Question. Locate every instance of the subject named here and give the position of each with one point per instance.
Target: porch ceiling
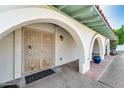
(88, 15)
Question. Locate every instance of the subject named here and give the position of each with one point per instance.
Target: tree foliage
(120, 34)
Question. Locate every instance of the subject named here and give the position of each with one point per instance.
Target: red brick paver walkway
(97, 69)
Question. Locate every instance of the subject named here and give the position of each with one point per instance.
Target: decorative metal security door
(38, 50)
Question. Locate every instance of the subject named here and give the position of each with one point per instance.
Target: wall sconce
(61, 37)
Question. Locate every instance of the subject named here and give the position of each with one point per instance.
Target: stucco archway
(107, 47)
(25, 16)
(100, 45)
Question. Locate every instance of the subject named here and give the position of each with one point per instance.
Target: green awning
(88, 15)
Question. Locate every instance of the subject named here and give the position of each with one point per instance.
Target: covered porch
(28, 50)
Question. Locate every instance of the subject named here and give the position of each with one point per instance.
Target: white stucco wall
(66, 49)
(6, 58)
(120, 48)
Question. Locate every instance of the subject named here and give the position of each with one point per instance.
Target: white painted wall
(66, 49)
(6, 58)
(120, 48)
(5, 8)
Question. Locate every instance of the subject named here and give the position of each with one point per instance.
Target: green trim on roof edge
(87, 15)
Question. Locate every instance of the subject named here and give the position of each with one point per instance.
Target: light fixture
(61, 37)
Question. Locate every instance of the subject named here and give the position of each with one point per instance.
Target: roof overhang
(88, 15)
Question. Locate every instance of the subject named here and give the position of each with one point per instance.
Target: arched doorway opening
(47, 45)
(39, 15)
(96, 49)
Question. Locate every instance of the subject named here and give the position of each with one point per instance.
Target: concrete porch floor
(96, 70)
(66, 76)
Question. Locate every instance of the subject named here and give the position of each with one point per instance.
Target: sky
(114, 14)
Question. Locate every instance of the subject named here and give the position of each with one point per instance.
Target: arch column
(84, 67)
(102, 56)
(84, 64)
(107, 47)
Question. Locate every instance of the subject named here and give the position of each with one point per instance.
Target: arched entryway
(96, 47)
(46, 45)
(39, 15)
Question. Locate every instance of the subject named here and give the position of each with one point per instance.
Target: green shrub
(113, 44)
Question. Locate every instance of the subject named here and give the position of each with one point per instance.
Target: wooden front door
(47, 49)
(38, 50)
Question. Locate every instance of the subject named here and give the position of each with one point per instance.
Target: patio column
(102, 57)
(102, 53)
(84, 66)
(108, 47)
(18, 59)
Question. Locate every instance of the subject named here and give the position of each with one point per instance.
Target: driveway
(114, 74)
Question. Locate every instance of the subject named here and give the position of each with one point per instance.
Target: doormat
(39, 75)
(10, 86)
